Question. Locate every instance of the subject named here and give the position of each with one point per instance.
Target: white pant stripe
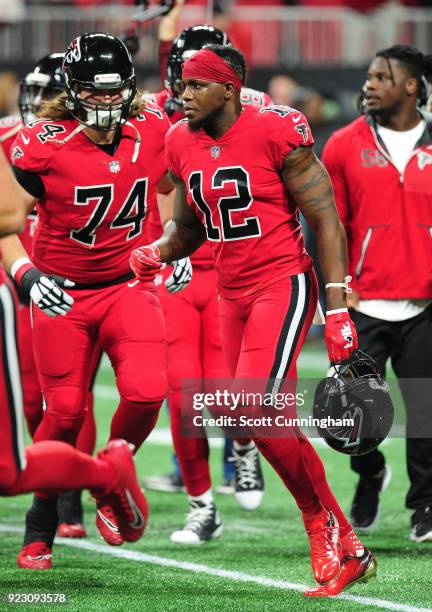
(12, 366)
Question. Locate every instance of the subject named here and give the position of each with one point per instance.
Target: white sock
(242, 447)
(206, 498)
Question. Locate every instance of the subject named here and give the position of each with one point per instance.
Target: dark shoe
(421, 522)
(170, 483)
(365, 505)
(202, 524)
(249, 480)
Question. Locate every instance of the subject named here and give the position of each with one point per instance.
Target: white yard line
(218, 572)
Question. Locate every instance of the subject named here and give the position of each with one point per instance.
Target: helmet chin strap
(137, 141)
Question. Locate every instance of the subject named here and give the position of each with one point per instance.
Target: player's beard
(207, 123)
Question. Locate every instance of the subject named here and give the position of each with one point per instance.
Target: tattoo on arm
(308, 183)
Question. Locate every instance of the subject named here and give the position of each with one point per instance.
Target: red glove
(145, 262)
(340, 335)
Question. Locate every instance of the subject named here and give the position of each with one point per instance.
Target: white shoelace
(198, 516)
(246, 468)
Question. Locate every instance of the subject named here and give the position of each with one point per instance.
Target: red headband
(208, 66)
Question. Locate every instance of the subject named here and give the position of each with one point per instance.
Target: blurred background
(310, 54)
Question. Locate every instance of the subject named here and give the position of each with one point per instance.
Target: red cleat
(71, 530)
(350, 546)
(353, 571)
(323, 532)
(106, 522)
(126, 501)
(36, 556)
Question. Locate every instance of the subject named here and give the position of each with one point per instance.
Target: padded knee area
(143, 386)
(64, 416)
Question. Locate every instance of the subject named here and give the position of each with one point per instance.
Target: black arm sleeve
(30, 181)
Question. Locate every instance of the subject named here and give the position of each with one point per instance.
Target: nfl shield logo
(215, 152)
(114, 166)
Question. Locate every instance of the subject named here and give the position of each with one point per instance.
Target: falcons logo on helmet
(74, 52)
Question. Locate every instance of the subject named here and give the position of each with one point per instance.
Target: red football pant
(12, 455)
(126, 321)
(194, 351)
(32, 394)
(262, 335)
(74, 470)
(22, 471)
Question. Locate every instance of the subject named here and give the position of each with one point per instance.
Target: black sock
(41, 521)
(69, 508)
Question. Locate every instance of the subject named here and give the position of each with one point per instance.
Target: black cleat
(170, 483)
(202, 524)
(365, 505)
(421, 522)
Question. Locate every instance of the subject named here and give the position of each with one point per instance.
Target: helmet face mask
(356, 397)
(98, 64)
(184, 46)
(45, 82)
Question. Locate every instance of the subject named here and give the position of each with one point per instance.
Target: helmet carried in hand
(356, 400)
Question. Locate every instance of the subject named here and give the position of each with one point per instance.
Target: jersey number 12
(227, 205)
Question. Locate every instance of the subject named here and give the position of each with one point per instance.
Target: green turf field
(260, 563)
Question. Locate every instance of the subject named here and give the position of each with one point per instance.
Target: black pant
(409, 345)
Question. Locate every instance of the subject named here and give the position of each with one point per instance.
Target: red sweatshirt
(387, 216)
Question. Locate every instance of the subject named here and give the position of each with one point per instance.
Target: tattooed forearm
(309, 185)
(314, 178)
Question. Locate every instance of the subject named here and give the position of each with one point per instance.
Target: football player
(93, 167)
(43, 83)
(194, 348)
(242, 174)
(110, 477)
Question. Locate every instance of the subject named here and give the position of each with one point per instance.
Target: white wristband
(336, 311)
(17, 265)
(344, 285)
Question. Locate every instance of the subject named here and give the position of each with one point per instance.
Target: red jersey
(235, 187)
(9, 128)
(387, 216)
(91, 216)
(203, 257)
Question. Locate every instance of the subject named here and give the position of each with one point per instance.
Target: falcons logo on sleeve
(302, 129)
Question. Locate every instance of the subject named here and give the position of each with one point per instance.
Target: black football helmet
(354, 391)
(44, 82)
(94, 62)
(184, 46)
